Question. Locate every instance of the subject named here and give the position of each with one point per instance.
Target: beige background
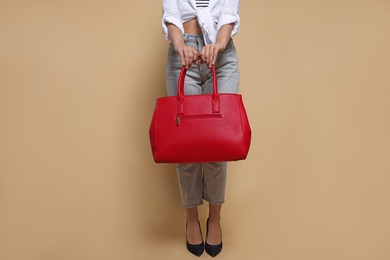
(78, 80)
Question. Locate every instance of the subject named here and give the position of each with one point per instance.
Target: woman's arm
(188, 54)
(210, 52)
(228, 25)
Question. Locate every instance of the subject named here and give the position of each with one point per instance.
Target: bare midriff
(192, 27)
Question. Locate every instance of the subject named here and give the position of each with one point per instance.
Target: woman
(201, 30)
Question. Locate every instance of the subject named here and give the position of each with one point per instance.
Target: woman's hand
(188, 54)
(210, 52)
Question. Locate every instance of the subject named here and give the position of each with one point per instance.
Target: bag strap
(180, 92)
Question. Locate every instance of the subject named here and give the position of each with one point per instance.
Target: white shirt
(210, 19)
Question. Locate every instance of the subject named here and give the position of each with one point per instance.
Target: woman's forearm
(175, 35)
(224, 34)
(188, 55)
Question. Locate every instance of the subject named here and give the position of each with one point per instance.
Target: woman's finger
(187, 60)
(215, 54)
(190, 57)
(202, 54)
(207, 56)
(182, 57)
(195, 56)
(212, 54)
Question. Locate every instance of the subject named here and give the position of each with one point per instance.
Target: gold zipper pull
(177, 121)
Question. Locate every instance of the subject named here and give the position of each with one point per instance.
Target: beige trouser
(202, 181)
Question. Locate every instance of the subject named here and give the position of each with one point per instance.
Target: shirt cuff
(228, 18)
(173, 20)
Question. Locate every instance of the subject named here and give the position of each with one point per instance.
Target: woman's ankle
(192, 215)
(214, 219)
(214, 213)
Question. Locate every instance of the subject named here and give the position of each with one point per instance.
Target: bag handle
(180, 92)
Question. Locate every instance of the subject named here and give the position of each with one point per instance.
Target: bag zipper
(181, 117)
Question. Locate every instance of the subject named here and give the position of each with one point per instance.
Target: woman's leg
(190, 179)
(194, 235)
(190, 175)
(214, 236)
(227, 69)
(214, 183)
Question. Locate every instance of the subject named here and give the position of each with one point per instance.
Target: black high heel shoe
(195, 249)
(212, 250)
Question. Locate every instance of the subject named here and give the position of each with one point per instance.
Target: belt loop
(185, 36)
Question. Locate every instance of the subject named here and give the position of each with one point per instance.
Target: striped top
(202, 3)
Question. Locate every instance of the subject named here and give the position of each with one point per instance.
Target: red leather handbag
(199, 128)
